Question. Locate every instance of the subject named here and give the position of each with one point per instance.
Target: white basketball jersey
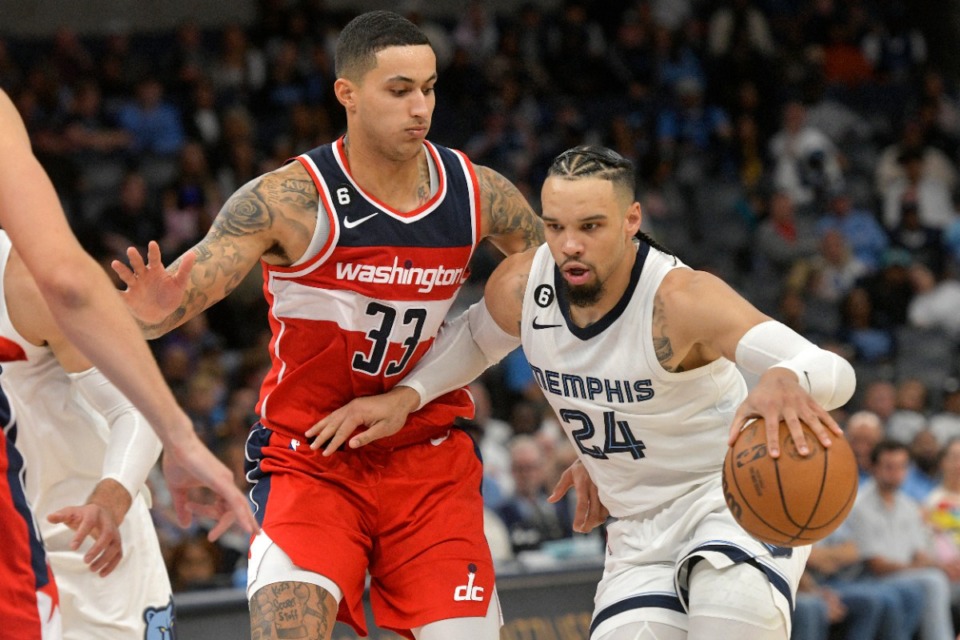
(64, 440)
(646, 436)
(60, 435)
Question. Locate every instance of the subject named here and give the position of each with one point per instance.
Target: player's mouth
(418, 131)
(576, 274)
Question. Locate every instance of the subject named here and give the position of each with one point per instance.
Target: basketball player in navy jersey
(636, 353)
(364, 243)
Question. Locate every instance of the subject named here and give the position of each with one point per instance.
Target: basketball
(792, 500)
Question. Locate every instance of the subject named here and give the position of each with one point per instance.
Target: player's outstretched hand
(189, 465)
(590, 512)
(152, 292)
(778, 397)
(97, 522)
(382, 415)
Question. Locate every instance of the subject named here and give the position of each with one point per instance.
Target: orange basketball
(792, 500)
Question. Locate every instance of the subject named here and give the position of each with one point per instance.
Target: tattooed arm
(272, 217)
(698, 318)
(507, 218)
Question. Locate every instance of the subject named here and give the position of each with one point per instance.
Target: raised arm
(465, 347)
(271, 217)
(90, 313)
(507, 218)
(698, 318)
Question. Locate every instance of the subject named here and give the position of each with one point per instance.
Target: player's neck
(396, 183)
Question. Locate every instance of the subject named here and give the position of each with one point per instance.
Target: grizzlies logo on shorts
(161, 623)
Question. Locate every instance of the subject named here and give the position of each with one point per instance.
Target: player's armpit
(506, 215)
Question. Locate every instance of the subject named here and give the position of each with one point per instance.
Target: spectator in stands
(935, 302)
(92, 133)
(863, 431)
(806, 162)
(889, 529)
(880, 397)
(943, 504)
(889, 289)
(910, 417)
(920, 241)
(133, 220)
(835, 269)
(929, 194)
(784, 238)
(240, 70)
(528, 516)
(924, 471)
(871, 343)
(194, 565)
(860, 228)
(153, 123)
(690, 131)
(945, 425)
(892, 606)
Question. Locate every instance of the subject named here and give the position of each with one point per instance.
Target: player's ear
(633, 219)
(345, 91)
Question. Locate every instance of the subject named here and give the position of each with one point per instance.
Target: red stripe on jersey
(18, 584)
(10, 351)
(476, 190)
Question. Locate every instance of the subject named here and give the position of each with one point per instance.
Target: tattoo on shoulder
(509, 210)
(661, 342)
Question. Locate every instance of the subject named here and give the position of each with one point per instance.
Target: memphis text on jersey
(570, 385)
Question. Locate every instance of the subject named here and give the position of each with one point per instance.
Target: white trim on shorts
(270, 564)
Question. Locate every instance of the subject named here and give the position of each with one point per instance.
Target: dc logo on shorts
(161, 623)
(468, 592)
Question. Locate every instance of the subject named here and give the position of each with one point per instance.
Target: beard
(584, 295)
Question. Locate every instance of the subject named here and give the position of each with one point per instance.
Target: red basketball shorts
(412, 517)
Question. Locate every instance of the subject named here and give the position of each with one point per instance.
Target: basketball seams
(757, 511)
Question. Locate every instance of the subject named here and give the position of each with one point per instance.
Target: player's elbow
(844, 382)
(64, 288)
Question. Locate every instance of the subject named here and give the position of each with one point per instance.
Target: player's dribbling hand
(97, 522)
(590, 512)
(382, 415)
(152, 293)
(778, 397)
(188, 465)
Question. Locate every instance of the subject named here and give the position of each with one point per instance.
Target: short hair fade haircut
(367, 34)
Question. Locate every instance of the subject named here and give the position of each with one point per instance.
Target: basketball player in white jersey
(84, 444)
(89, 312)
(636, 353)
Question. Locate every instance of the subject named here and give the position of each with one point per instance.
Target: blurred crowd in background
(804, 150)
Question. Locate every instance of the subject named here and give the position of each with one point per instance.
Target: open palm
(153, 293)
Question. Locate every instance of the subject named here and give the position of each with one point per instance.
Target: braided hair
(594, 161)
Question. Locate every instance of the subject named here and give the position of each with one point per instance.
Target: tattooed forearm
(292, 610)
(661, 343)
(508, 211)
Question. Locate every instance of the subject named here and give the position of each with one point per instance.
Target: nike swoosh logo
(537, 325)
(350, 224)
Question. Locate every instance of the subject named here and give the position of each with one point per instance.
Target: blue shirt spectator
(860, 228)
(154, 124)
